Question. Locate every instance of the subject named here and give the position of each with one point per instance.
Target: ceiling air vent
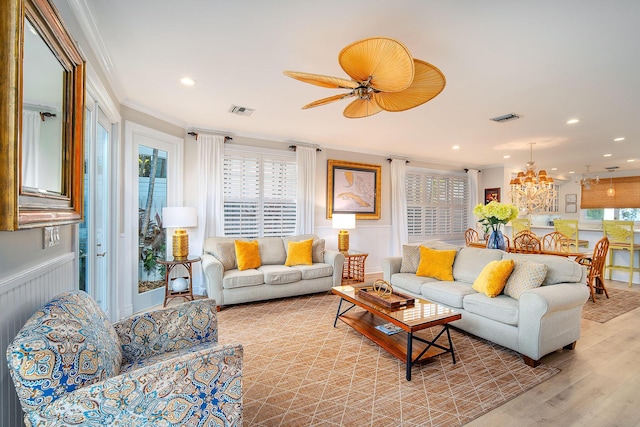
(241, 111)
(506, 118)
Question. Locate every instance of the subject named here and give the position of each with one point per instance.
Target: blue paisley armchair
(71, 366)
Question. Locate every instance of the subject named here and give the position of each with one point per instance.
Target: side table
(353, 267)
(170, 264)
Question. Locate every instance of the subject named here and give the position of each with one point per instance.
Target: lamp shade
(343, 221)
(179, 217)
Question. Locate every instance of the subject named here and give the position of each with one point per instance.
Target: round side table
(170, 264)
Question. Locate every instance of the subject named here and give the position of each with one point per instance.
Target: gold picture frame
(353, 188)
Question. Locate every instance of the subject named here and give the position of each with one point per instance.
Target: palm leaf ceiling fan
(384, 76)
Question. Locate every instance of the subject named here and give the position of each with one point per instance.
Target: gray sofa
(228, 285)
(542, 320)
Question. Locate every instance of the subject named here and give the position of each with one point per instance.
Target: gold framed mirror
(42, 85)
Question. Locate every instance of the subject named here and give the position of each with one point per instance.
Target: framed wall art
(491, 195)
(353, 188)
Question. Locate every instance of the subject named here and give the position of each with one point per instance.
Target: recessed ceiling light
(455, 147)
(572, 121)
(572, 171)
(554, 169)
(607, 155)
(619, 139)
(631, 160)
(506, 157)
(187, 81)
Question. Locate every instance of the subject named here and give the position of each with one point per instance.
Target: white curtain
(399, 232)
(30, 136)
(473, 196)
(306, 197)
(210, 198)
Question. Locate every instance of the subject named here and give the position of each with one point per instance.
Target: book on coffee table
(389, 328)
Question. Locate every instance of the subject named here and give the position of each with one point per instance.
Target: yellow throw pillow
(247, 255)
(299, 253)
(436, 264)
(493, 277)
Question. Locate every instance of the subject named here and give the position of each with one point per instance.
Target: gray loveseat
(228, 285)
(542, 320)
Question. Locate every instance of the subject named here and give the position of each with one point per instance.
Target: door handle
(102, 254)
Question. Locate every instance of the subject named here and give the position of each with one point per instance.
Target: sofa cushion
(299, 253)
(559, 269)
(493, 277)
(67, 344)
(502, 308)
(224, 249)
(470, 262)
(411, 254)
(410, 282)
(315, 270)
(448, 293)
(239, 279)
(435, 263)
(526, 275)
(279, 274)
(247, 254)
(272, 250)
(317, 251)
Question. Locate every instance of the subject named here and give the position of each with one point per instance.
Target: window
(629, 214)
(259, 194)
(437, 205)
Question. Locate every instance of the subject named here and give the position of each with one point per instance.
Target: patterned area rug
(603, 310)
(301, 371)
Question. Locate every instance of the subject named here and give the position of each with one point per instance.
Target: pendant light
(611, 192)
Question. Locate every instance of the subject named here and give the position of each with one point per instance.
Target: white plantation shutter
(437, 205)
(259, 194)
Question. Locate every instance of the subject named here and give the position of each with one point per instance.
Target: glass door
(94, 242)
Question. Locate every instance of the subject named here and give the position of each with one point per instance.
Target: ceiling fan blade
(328, 100)
(427, 84)
(361, 108)
(387, 61)
(323, 81)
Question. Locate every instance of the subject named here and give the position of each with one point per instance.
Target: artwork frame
(353, 188)
(491, 195)
(570, 198)
(571, 208)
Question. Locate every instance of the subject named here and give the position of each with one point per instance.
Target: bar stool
(569, 227)
(520, 224)
(620, 235)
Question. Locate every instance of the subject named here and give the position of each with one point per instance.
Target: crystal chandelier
(586, 181)
(532, 192)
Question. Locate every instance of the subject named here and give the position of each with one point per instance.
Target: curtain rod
(406, 162)
(195, 134)
(293, 147)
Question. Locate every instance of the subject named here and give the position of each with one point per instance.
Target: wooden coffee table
(409, 348)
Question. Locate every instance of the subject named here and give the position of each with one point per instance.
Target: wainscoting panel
(20, 296)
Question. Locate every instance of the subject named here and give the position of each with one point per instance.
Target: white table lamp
(343, 222)
(179, 218)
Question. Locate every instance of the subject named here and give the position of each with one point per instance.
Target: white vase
(179, 284)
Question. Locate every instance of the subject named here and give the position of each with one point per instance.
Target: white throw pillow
(526, 275)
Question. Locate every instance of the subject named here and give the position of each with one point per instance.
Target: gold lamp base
(343, 241)
(180, 244)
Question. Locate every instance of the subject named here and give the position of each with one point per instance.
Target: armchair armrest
(168, 329)
(336, 259)
(179, 391)
(213, 273)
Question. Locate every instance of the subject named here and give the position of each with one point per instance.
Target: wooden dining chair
(527, 242)
(470, 235)
(595, 268)
(555, 241)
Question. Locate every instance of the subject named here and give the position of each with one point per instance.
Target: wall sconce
(343, 222)
(179, 218)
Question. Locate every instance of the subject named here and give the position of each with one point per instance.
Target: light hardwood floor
(598, 385)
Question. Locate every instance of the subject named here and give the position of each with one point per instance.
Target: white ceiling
(547, 60)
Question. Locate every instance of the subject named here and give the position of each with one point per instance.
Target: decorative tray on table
(394, 300)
